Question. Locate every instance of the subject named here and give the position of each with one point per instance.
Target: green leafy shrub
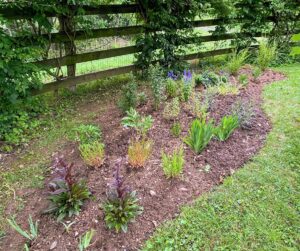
(173, 164)
(243, 80)
(141, 124)
(66, 194)
(92, 153)
(266, 54)
(172, 109)
(157, 84)
(129, 97)
(171, 88)
(207, 78)
(121, 206)
(197, 107)
(176, 129)
(226, 127)
(200, 134)
(85, 134)
(85, 240)
(236, 61)
(244, 111)
(141, 98)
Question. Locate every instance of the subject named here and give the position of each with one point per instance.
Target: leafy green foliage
(244, 111)
(85, 240)
(157, 84)
(226, 127)
(266, 54)
(92, 153)
(209, 78)
(172, 109)
(237, 60)
(33, 228)
(256, 73)
(121, 206)
(198, 107)
(171, 88)
(66, 195)
(200, 134)
(141, 98)
(243, 79)
(141, 124)
(86, 134)
(173, 164)
(176, 129)
(129, 97)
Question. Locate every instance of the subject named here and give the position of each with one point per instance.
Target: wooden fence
(71, 59)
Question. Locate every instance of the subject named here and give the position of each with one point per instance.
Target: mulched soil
(161, 198)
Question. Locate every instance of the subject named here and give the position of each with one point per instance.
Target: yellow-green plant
(173, 164)
(93, 153)
(227, 126)
(138, 152)
(172, 109)
(237, 60)
(176, 129)
(266, 54)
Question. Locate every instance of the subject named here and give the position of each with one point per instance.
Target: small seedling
(68, 226)
(176, 129)
(85, 240)
(33, 228)
(243, 80)
(173, 164)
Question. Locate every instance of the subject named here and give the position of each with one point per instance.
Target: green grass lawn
(258, 207)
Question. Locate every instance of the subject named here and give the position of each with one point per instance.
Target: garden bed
(161, 198)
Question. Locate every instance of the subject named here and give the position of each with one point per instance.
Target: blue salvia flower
(172, 75)
(187, 76)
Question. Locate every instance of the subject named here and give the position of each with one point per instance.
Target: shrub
(141, 98)
(157, 84)
(121, 206)
(266, 54)
(92, 154)
(129, 97)
(226, 127)
(86, 134)
(207, 78)
(176, 129)
(244, 111)
(200, 135)
(256, 73)
(173, 164)
(140, 123)
(172, 109)
(171, 88)
(237, 60)
(225, 89)
(66, 194)
(197, 107)
(243, 80)
(138, 152)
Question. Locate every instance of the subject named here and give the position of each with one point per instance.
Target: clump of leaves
(142, 98)
(141, 124)
(85, 134)
(139, 152)
(225, 89)
(226, 127)
(66, 194)
(237, 60)
(171, 88)
(200, 134)
(256, 73)
(129, 97)
(266, 54)
(121, 206)
(157, 84)
(173, 164)
(92, 154)
(244, 111)
(197, 107)
(176, 129)
(172, 109)
(243, 80)
(209, 78)
(85, 240)
(31, 235)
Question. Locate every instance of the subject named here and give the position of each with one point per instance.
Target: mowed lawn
(258, 208)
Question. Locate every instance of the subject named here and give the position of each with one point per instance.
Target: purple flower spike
(171, 75)
(187, 76)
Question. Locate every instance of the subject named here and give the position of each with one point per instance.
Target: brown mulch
(167, 196)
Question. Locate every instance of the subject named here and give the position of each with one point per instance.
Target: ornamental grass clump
(92, 154)
(226, 127)
(266, 54)
(237, 60)
(121, 206)
(200, 134)
(67, 195)
(173, 164)
(139, 152)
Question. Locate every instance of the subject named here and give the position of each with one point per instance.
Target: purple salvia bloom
(187, 76)
(172, 75)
